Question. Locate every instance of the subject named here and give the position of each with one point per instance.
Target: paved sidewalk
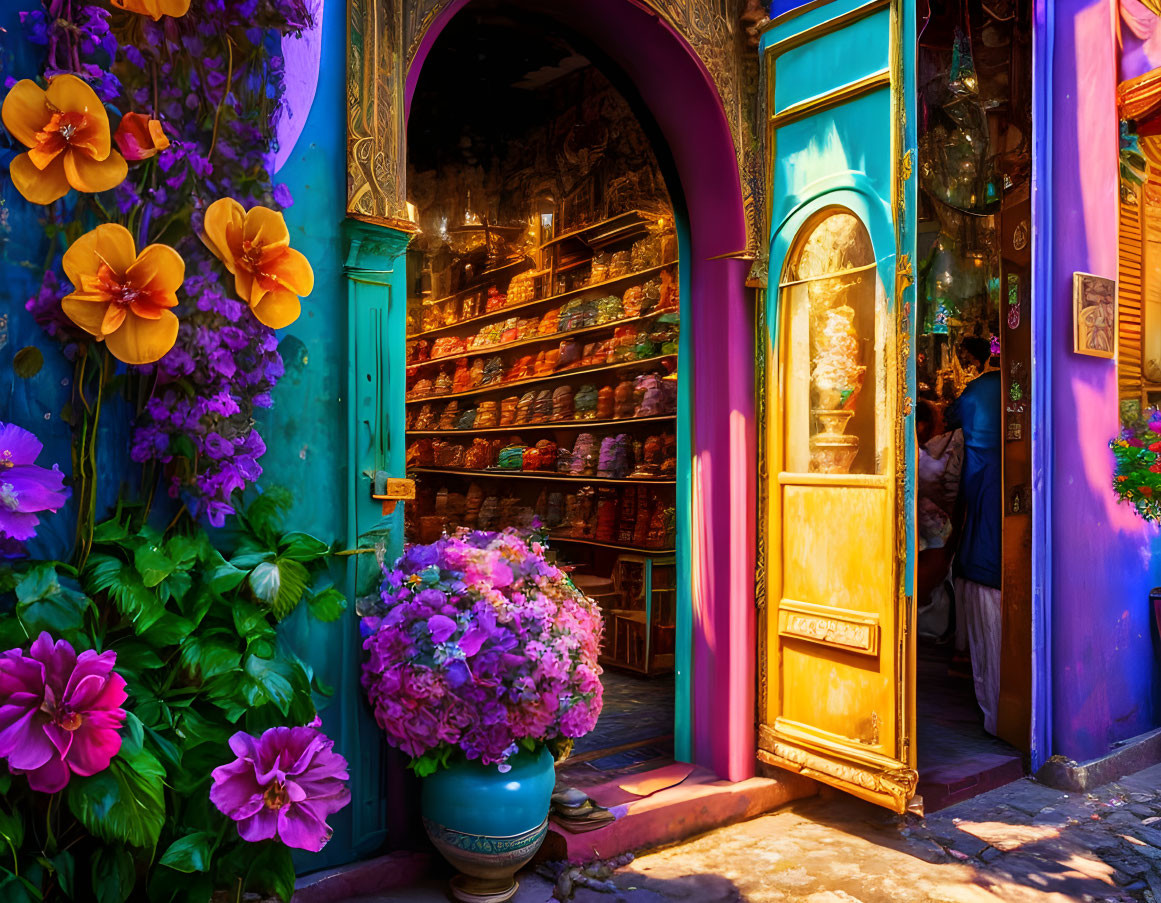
(1022, 842)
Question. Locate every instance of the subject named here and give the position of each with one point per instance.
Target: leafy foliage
(1137, 477)
(195, 634)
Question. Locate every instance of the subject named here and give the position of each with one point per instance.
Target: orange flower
(123, 297)
(66, 132)
(269, 275)
(154, 8)
(140, 137)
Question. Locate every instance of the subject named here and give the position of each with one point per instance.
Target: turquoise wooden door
(838, 457)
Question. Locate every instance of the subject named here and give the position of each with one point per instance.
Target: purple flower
(479, 644)
(282, 196)
(60, 713)
(25, 488)
(283, 784)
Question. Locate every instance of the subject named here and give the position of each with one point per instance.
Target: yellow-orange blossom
(254, 245)
(155, 9)
(123, 297)
(66, 131)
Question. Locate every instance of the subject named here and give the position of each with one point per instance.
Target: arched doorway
(716, 444)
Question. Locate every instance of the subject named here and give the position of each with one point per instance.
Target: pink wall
(1103, 557)
(682, 99)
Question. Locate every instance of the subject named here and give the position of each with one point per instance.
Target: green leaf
(65, 868)
(124, 803)
(11, 831)
(135, 736)
(169, 751)
(273, 678)
(210, 653)
(126, 587)
(184, 550)
(136, 656)
(191, 853)
(27, 362)
(152, 563)
(252, 622)
(264, 515)
(113, 874)
(272, 871)
(328, 605)
(280, 584)
(110, 531)
(169, 630)
(46, 602)
(303, 547)
(14, 889)
(224, 576)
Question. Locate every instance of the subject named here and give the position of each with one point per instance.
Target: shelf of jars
(499, 344)
(546, 475)
(433, 393)
(550, 425)
(579, 351)
(509, 306)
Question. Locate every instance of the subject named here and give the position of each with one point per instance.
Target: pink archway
(682, 98)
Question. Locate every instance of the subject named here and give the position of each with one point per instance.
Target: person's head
(924, 421)
(974, 349)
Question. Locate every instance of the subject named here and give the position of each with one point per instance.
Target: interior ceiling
(483, 84)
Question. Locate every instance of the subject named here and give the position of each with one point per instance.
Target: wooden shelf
(504, 312)
(547, 377)
(619, 546)
(558, 425)
(545, 475)
(484, 281)
(533, 340)
(630, 219)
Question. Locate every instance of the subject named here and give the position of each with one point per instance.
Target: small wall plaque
(1094, 315)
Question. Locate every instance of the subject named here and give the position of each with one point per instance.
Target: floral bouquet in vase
(836, 379)
(482, 657)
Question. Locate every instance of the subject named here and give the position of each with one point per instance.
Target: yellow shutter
(1129, 327)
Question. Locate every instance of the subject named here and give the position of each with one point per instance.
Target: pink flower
(283, 784)
(60, 712)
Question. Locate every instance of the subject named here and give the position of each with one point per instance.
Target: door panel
(836, 694)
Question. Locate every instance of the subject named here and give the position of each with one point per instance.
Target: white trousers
(981, 610)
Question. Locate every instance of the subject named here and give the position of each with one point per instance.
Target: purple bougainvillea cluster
(480, 645)
(212, 81)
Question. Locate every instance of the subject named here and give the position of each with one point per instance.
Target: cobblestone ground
(1022, 843)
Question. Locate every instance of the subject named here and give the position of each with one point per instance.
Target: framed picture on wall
(1094, 315)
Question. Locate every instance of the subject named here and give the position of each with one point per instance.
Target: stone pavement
(1022, 842)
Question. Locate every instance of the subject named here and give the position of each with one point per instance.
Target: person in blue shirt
(978, 563)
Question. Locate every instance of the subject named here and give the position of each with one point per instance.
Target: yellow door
(836, 692)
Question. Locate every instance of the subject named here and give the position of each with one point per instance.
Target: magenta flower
(25, 488)
(481, 644)
(60, 712)
(283, 784)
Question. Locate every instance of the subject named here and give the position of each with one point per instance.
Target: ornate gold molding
(895, 786)
(384, 37)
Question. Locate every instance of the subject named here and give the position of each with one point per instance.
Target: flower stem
(225, 93)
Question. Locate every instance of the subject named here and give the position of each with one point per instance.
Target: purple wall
(1104, 672)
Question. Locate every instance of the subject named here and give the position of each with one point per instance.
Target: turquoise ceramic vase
(488, 824)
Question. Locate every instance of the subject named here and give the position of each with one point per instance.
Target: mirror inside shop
(972, 360)
(543, 318)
